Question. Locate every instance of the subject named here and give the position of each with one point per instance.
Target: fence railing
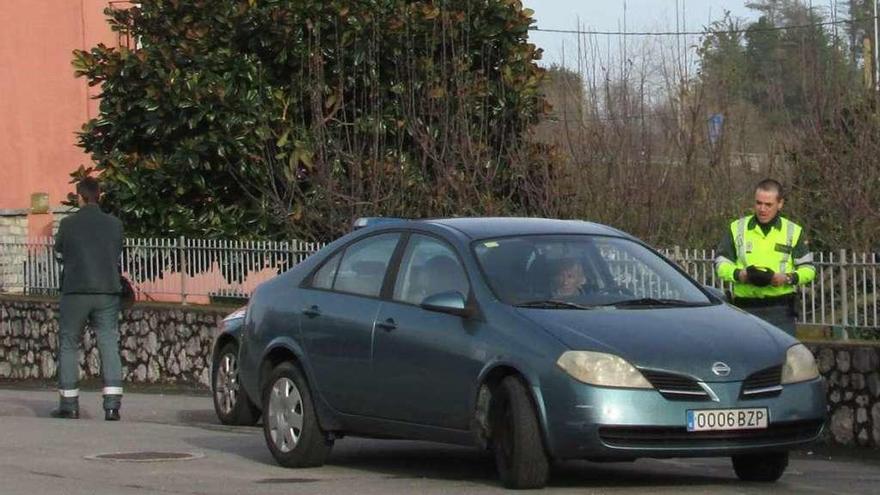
(844, 293)
(185, 270)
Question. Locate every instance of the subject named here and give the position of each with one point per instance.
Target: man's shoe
(111, 415)
(65, 413)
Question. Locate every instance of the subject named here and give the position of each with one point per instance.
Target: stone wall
(852, 373)
(158, 344)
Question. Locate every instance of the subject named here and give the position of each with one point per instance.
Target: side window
(428, 267)
(323, 278)
(364, 263)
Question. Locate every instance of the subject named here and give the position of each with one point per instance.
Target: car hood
(680, 340)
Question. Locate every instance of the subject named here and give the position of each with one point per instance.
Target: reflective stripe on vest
(789, 236)
(741, 240)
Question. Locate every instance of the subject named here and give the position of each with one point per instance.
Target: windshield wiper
(652, 301)
(551, 304)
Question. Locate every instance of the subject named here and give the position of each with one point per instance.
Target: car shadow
(244, 442)
(401, 459)
(640, 473)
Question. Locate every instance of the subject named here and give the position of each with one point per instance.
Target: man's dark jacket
(90, 244)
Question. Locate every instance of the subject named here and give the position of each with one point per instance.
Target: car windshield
(569, 272)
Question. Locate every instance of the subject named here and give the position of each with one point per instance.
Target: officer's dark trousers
(779, 315)
(101, 312)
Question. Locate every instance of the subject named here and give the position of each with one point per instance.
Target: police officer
(766, 256)
(89, 244)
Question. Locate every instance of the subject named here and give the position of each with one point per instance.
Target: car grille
(679, 437)
(762, 384)
(676, 387)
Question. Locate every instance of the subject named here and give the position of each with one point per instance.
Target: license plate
(727, 419)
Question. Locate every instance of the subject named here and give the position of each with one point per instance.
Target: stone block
(865, 360)
(874, 384)
(842, 425)
(864, 438)
(857, 381)
(843, 360)
(825, 360)
(875, 422)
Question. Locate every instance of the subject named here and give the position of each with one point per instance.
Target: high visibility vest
(773, 251)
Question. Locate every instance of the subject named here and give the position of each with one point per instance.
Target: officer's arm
(725, 266)
(804, 271)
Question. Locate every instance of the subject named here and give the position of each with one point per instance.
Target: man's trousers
(779, 315)
(101, 312)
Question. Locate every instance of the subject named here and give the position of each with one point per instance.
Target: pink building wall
(42, 104)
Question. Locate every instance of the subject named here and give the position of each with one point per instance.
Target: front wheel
(290, 424)
(232, 405)
(516, 437)
(760, 467)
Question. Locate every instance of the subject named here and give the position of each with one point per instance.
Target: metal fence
(184, 270)
(844, 293)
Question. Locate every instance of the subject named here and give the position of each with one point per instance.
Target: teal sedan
(538, 339)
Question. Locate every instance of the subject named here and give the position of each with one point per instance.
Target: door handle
(312, 311)
(387, 325)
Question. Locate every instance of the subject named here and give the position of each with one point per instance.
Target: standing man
(89, 243)
(766, 257)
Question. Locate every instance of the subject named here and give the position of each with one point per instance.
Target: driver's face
(569, 279)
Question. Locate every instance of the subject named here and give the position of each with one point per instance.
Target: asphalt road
(41, 455)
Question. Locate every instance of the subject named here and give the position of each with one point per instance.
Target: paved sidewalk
(41, 455)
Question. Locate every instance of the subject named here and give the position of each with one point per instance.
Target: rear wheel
(232, 405)
(760, 467)
(290, 424)
(516, 437)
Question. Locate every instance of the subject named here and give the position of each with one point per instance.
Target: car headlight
(235, 315)
(238, 313)
(599, 368)
(800, 365)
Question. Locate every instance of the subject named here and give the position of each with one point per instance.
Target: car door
(339, 307)
(424, 364)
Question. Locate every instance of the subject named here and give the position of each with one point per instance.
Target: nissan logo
(720, 369)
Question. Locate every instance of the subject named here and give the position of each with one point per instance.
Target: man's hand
(778, 279)
(742, 276)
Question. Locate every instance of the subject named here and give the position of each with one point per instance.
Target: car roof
(491, 227)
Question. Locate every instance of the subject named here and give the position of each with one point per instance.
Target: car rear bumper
(603, 423)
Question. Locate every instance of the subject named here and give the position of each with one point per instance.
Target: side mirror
(451, 302)
(715, 291)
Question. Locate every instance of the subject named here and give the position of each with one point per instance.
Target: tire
(766, 468)
(231, 403)
(290, 424)
(516, 437)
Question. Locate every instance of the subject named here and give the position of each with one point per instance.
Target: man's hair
(89, 189)
(771, 185)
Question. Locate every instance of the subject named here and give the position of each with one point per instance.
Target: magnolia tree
(283, 118)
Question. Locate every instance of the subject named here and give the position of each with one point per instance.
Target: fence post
(181, 250)
(844, 292)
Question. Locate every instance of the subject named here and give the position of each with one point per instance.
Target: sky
(608, 15)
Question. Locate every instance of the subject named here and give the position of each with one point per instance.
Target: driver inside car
(568, 279)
